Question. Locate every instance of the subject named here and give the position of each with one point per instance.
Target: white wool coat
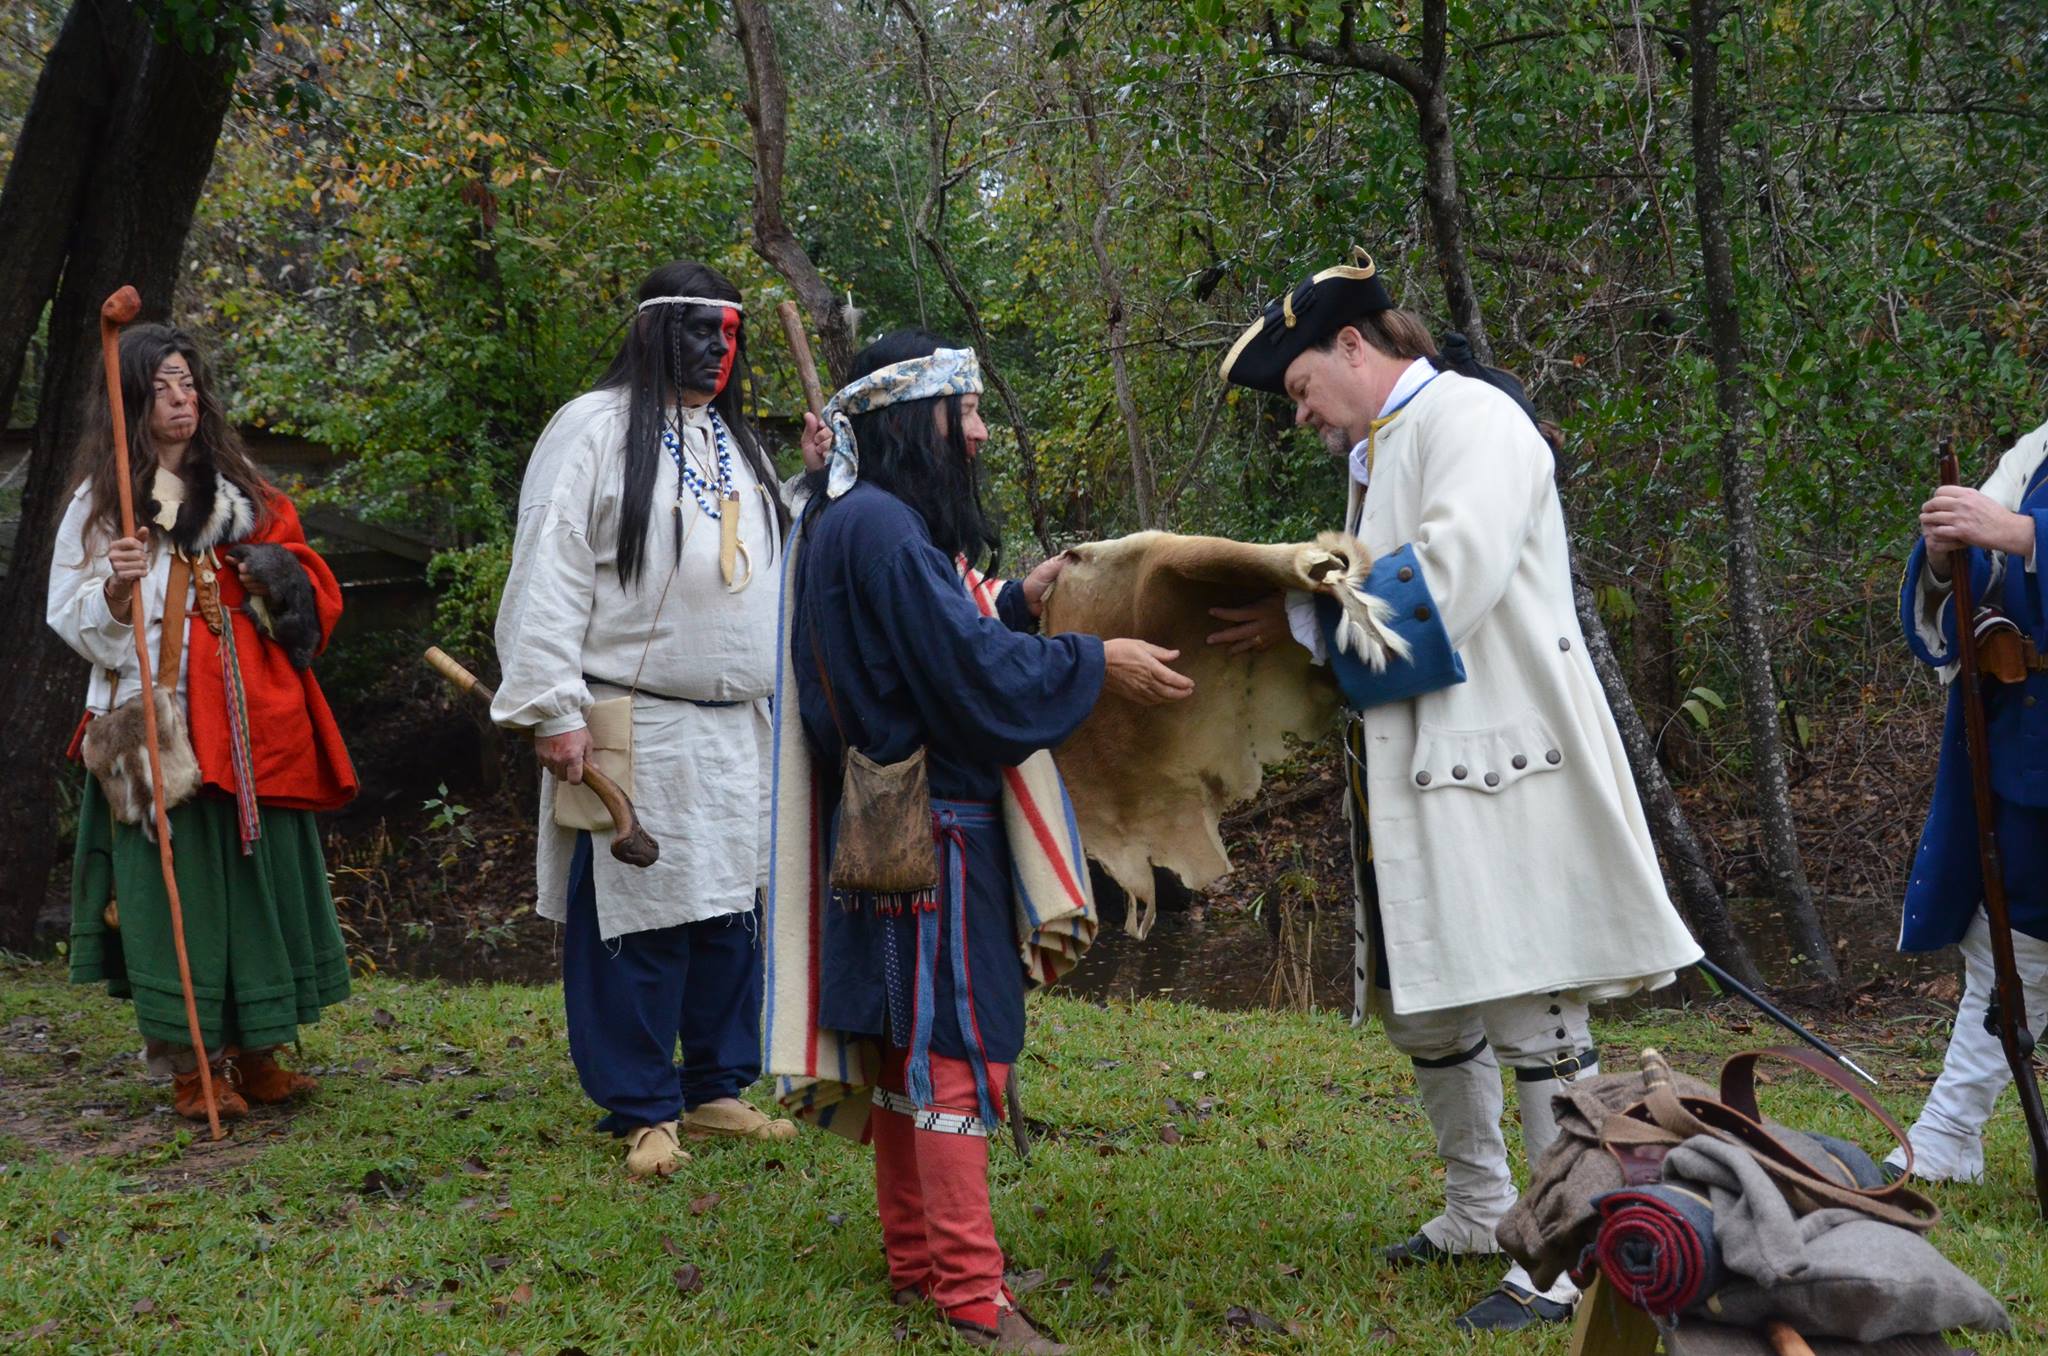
(1510, 848)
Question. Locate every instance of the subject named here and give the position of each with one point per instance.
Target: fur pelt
(214, 513)
(116, 751)
(288, 614)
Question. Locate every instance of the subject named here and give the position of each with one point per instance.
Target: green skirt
(265, 950)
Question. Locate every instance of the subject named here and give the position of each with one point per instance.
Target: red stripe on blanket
(1043, 833)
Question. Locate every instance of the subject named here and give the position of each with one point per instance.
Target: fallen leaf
(1104, 1272)
(436, 1306)
(1286, 1269)
(668, 1245)
(377, 1182)
(515, 1043)
(144, 1305)
(473, 1166)
(1169, 1133)
(834, 1220)
(706, 1203)
(1237, 1316)
(689, 1279)
(47, 1328)
(498, 1263)
(771, 1165)
(1024, 1282)
(382, 1019)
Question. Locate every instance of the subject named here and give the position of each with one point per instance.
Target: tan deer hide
(1151, 783)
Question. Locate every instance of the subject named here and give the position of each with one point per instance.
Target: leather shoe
(1511, 1307)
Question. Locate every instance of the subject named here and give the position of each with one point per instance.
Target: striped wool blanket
(827, 1076)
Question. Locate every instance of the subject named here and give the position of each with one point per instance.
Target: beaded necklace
(699, 488)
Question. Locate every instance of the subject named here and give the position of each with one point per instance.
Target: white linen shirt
(568, 633)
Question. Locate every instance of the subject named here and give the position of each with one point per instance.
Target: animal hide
(1151, 783)
(289, 615)
(116, 751)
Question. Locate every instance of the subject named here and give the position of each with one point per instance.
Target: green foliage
(426, 220)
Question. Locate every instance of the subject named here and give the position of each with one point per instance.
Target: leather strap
(1450, 1061)
(171, 647)
(1735, 1119)
(1563, 1067)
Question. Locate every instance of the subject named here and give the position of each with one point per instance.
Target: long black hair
(903, 451)
(649, 367)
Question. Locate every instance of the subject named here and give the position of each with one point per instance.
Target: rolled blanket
(1656, 1246)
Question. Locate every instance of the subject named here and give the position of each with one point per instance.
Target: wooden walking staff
(800, 349)
(2007, 1016)
(115, 312)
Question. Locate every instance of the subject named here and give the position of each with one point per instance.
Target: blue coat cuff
(1011, 608)
(1909, 605)
(1431, 663)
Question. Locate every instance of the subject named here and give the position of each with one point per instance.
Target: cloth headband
(691, 301)
(945, 372)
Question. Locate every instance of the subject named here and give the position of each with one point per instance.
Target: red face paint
(730, 331)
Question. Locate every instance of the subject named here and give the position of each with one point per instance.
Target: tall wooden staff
(115, 312)
(2007, 1017)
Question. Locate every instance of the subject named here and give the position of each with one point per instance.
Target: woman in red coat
(250, 750)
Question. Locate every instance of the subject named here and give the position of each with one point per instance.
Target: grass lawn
(1217, 1181)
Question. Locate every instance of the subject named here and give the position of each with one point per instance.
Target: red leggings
(931, 1189)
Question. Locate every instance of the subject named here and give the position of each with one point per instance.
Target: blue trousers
(632, 1000)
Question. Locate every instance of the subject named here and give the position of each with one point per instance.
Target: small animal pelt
(116, 751)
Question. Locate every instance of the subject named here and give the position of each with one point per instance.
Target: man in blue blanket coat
(2004, 527)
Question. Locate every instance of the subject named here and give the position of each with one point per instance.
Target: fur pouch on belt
(288, 614)
(116, 751)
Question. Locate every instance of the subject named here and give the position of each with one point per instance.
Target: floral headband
(945, 372)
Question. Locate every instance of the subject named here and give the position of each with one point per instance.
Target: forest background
(1753, 259)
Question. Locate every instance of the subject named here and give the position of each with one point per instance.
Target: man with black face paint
(634, 635)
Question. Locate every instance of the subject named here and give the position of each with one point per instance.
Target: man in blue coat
(2004, 529)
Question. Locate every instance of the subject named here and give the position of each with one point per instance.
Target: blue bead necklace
(699, 488)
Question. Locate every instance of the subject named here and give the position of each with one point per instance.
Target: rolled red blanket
(1656, 1246)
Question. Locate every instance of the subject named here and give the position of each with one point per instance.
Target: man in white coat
(1506, 877)
(637, 631)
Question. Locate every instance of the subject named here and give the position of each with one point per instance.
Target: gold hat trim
(1358, 270)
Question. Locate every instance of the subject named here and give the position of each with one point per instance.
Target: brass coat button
(1422, 779)
(1404, 574)
(1422, 614)
(1521, 761)
(1553, 758)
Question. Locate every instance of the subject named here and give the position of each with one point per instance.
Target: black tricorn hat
(1306, 316)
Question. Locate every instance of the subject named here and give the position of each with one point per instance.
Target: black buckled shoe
(1511, 1307)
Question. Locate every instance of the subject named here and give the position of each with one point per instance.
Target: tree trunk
(47, 178)
(1440, 192)
(1144, 484)
(1786, 875)
(145, 170)
(1699, 897)
(767, 111)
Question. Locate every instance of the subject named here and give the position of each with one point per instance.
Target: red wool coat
(299, 760)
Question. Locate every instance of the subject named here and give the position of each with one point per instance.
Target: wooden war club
(115, 312)
(2006, 1018)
